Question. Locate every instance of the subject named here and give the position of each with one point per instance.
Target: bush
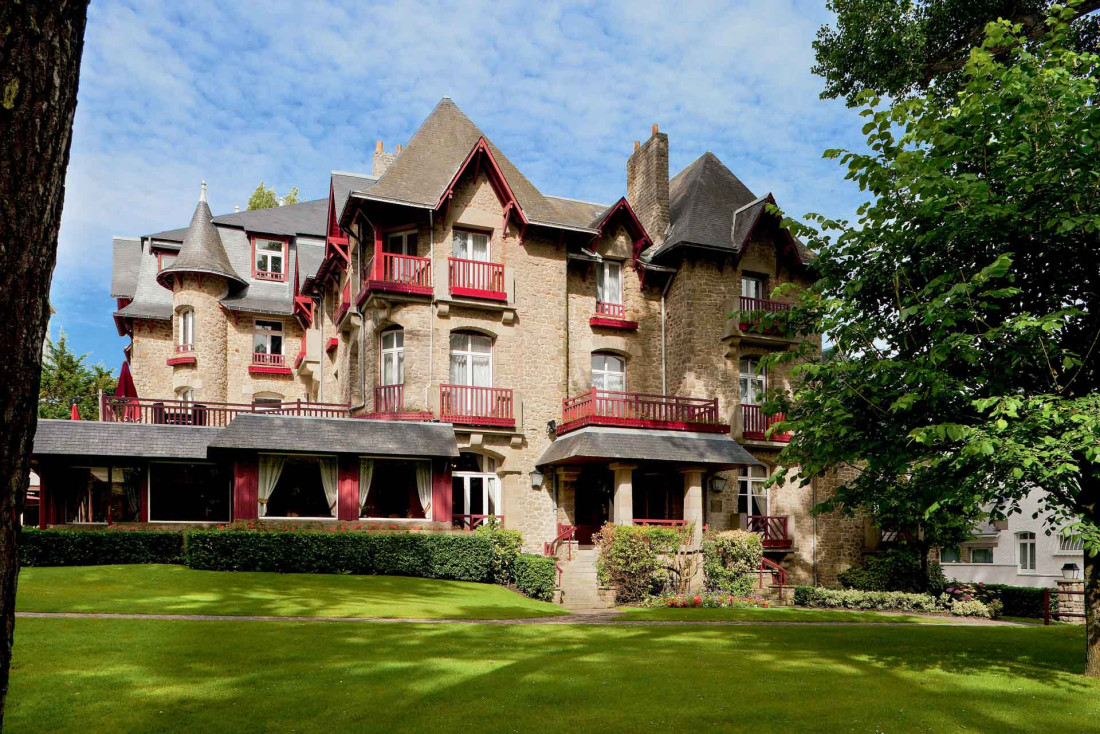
(535, 576)
(729, 557)
(707, 600)
(810, 596)
(1017, 601)
(99, 547)
(506, 546)
(896, 570)
(974, 608)
(458, 557)
(630, 558)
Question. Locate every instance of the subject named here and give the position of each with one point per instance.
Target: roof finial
(202, 196)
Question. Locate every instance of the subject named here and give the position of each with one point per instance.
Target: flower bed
(706, 601)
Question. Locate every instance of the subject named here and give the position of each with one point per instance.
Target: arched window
(392, 345)
(1026, 557)
(267, 401)
(753, 384)
(185, 330)
(608, 372)
(471, 359)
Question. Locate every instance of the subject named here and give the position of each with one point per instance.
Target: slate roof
(125, 266)
(101, 438)
(594, 443)
(309, 259)
(337, 435)
(307, 218)
(344, 183)
(151, 300)
(202, 250)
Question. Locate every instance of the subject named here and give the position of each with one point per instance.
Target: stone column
(623, 508)
(567, 496)
(693, 502)
(1071, 603)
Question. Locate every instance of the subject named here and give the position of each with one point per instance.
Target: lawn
(194, 676)
(775, 614)
(180, 590)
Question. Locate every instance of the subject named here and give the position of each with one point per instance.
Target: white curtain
(330, 480)
(271, 468)
(424, 486)
(366, 471)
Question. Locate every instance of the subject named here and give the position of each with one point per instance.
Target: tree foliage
(901, 47)
(66, 379)
(964, 302)
(265, 198)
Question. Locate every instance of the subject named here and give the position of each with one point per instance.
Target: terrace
(640, 410)
(190, 413)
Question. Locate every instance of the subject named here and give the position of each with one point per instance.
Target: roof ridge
(353, 173)
(579, 201)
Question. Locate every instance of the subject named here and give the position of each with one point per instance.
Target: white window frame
(403, 238)
(267, 333)
(394, 353)
(751, 381)
(490, 488)
(272, 256)
(749, 483)
(185, 325)
(601, 374)
(1026, 552)
(470, 354)
(609, 289)
(469, 237)
(752, 286)
(185, 395)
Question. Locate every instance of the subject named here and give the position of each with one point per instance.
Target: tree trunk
(41, 42)
(1092, 589)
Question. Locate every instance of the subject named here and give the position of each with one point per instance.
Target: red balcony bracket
(605, 322)
(640, 410)
(298, 360)
(333, 342)
(183, 359)
(260, 369)
(476, 406)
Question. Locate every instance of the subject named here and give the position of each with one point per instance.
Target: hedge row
(99, 547)
(812, 596)
(535, 576)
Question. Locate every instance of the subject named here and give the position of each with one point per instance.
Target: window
(1070, 544)
(475, 491)
(270, 256)
(471, 246)
(471, 359)
(298, 486)
(185, 328)
(1025, 542)
(267, 341)
(981, 555)
(188, 493)
(608, 372)
(267, 401)
(400, 243)
(393, 356)
(752, 384)
(185, 395)
(165, 259)
(395, 488)
(100, 494)
(609, 282)
(949, 555)
(752, 496)
(752, 287)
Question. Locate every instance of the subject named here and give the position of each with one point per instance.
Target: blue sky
(175, 93)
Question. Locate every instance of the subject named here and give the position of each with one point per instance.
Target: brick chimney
(382, 159)
(647, 184)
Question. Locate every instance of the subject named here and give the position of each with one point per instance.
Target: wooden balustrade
(476, 279)
(268, 360)
(397, 273)
(755, 424)
(610, 310)
(566, 534)
(772, 529)
(202, 413)
(640, 410)
(482, 406)
(389, 398)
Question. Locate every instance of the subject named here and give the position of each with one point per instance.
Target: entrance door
(592, 502)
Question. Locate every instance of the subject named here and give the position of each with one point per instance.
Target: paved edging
(605, 618)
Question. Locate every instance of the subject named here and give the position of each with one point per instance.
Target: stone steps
(580, 588)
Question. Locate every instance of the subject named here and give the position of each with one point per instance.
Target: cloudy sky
(174, 93)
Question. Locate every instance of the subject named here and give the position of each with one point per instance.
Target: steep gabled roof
(125, 266)
(343, 184)
(202, 250)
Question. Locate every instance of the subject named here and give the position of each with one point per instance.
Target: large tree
(900, 47)
(67, 380)
(41, 42)
(965, 302)
(264, 198)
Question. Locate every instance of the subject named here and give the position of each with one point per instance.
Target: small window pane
(481, 344)
(460, 342)
(981, 555)
(461, 245)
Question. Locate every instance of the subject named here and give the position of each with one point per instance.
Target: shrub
(707, 600)
(458, 557)
(506, 546)
(1016, 601)
(810, 596)
(99, 547)
(898, 569)
(535, 576)
(630, 558)
(974, 608)
(729, 557)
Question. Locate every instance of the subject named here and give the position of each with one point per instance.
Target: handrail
(475, 278)
(470, 522)
(185, 348)
(475, 405)
(779, 574)
(114, 409)
(268, 360)
(389, 398)
(763, 304)
(566, 534)
(755, 424)
(635, 406)
(772, 529)
(405, 269)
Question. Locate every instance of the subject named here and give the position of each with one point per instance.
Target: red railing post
(1046, 606)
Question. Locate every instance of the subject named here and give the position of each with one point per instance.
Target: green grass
(180, 590)
(98, 676)
(774, 614)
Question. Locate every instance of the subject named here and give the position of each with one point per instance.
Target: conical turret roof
(202, 250)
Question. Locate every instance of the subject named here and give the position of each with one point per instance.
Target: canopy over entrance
(599, 445)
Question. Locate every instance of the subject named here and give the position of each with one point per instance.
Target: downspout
(565, 387)
(434, 308)
(362, 322)
(664, 343)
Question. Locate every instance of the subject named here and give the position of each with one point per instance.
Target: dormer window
(269, 261)
(164, 259)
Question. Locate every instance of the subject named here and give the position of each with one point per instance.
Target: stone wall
(153, 346)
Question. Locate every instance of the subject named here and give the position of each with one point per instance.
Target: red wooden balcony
(772, 529)
(268, 364)
(202, 413)
(476, 406)
(394, 273)
(389, 404)
(755, 424)
(640, 410)
(476, 279)
(752, 306)
(612, 316)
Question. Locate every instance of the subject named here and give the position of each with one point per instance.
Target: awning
(599, 444)
(296, 434)
(120, 440)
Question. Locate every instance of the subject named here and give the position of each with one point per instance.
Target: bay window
(270, 259)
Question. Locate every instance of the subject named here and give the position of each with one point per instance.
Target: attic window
(269, 259)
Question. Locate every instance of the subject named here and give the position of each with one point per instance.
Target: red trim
(259, 369)
(476, 279)
(263, 275)
(607, 322)
(246, 483)
(160, 253)
(640, 410)
(634, 227)
(496, 179)
(347, 503)
(333, 342)
(186, 359)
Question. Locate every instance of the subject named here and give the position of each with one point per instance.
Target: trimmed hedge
(99, 547)
(456, 557)
(812, 596)
(1018, 601)
(535, 576)
(896, 570)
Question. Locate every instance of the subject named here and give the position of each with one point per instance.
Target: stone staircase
(580, 589)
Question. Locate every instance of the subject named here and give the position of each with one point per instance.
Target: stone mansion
(438, 342)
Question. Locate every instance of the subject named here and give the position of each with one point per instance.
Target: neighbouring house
(438, 342)
(1017, 550)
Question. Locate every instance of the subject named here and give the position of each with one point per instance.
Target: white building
(1016, 551)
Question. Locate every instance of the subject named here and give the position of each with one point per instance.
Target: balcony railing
(185, 348)
(755, 424)
(345, 303)
(640, 410)
(471, 522)
(268, 360)
(751, 306)
(479, 406)
(772, 529)
(398, 273)
(610, 310)
(476, 279)
(185, 413)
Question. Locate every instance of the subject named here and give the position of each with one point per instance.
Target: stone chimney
(382, 159)
(647, 184)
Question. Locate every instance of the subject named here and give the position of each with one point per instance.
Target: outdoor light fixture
(1070, 571)
(717, 483)
(536, 479)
